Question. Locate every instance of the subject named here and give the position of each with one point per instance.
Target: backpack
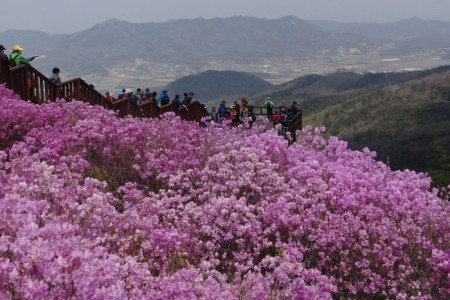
(12, 62)
(165, 100)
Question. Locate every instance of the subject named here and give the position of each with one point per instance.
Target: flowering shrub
(97, 207)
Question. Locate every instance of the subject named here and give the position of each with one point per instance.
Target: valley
(142, 73)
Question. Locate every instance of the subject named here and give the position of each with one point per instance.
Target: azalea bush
(93, 206)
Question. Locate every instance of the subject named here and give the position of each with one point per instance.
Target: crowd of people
(140, 97)
(239, 113)
(284, 115)
(236, 113)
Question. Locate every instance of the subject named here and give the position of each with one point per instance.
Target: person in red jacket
(276, 118)
(109, 98)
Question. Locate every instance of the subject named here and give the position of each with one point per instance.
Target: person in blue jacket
(176, 101)
(163, 99)
(222, 109)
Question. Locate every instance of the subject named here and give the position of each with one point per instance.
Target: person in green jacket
(16, 57)
(269, 106)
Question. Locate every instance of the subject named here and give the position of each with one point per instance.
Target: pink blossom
(93, 206)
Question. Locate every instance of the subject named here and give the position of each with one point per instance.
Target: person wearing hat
(3, 57)
(16, 56)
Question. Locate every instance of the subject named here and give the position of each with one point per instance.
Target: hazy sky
(68, 16)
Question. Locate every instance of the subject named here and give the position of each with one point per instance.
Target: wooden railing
(262, 110)
(4, 74)
(78, 89)
(30, 84)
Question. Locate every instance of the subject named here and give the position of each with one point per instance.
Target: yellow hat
(17, 48)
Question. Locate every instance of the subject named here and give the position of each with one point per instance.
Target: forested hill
(408, 124)
(213, 85)
(315, 85)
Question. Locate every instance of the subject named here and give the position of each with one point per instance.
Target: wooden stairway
(30, 84)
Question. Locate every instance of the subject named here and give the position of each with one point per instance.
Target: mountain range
(183, 47)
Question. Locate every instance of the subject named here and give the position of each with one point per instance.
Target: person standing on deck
(55, 76)
(3, 57)
(268, 104)
(16, 57)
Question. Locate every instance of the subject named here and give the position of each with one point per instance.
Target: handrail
(150, 109)
(4, 74)
(193, 112)
(78, 89)
(121, 107)
(30, 84)
(258, 110)
(292, 125)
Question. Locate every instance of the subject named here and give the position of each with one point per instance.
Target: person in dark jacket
(176, 101)
(294, 109)
(3, 57)
(190, 97)
(237, 107)
(148, 95)
(185, 101)
(55, 76)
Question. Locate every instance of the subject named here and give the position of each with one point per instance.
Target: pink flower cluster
(93, 206)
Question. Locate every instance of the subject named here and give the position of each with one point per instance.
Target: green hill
(213, 85)
(316, 85)
(408, 124)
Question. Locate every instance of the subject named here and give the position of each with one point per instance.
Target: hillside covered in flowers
(93, 206)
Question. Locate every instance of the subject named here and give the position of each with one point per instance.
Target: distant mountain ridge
(242, 40)
(401, 37)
